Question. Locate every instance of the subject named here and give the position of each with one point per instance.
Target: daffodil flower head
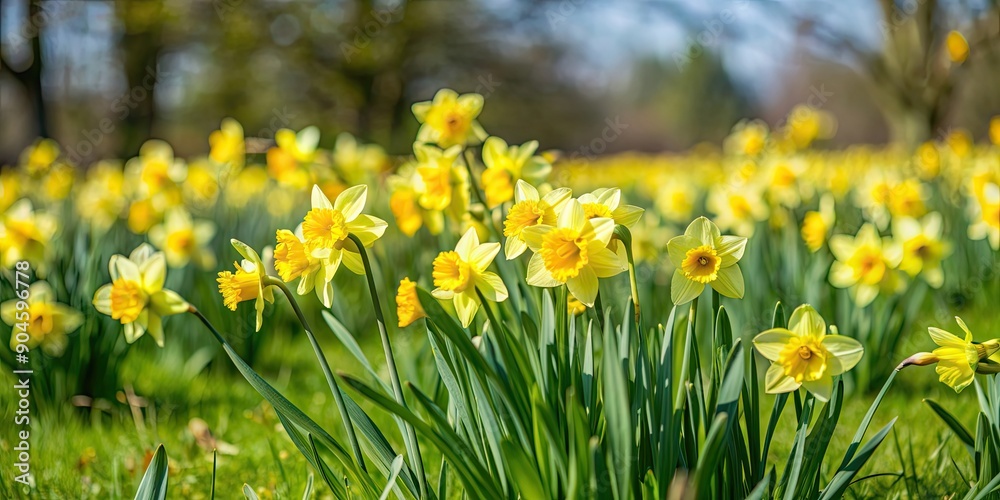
(606, 203)
(408, 308)
(804, 355)
(817, 224)
(439, 174)
(507, 164)
(986, 215)
(958, 358)
(136, 296)
(459, 273)
(325, 231)
(530, 210)
(227, 144)
(183, 239)
(703, 256)
(450, 119)
(247, 283)
(922, 246)
(866, 263)
(25, 234)
(574, 252)
(48, 322)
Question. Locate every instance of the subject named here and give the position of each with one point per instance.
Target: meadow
(759, 318)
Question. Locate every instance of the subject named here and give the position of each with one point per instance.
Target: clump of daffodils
(136, 296)
(317, 248)
(958, 359)
(530, 209)
(703, 256)
(804, 355)
(460, 275)
(574, 252)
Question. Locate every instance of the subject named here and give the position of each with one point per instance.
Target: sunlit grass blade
(960, 431)
(154, 482)
(843, 478)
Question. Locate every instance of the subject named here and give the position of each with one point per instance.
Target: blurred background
(101, 77)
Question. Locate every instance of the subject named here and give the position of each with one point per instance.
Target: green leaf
(397, 464)
(248, 492)
(154, 482)
(842, 479)
(953, 423)
(523, 472)
(863, 427)
(618, 418)
(307, 492)
(710, 455)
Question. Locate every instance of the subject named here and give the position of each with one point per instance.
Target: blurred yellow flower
(25, 234)
(737, 208)
(46, 322)
(136, 296)
(450, 119)
(408, 308)
(440, 175)
(985, 216)
(866, 263)
(747, 138)
(530, 210)
(995, 130)
(803, 355)
(675, 199)
(287, 162)
(227, 144)
(574, 252)
(957, 46)
(702, 256)
(505, 165)
(459, 273)
(183, 239)
(356, 161)
(817, 225)
(38, 157)
(923, 249)
(247, 283)
(101, 198)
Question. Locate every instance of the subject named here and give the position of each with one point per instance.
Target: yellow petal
(847, 351)
(584, 286)
(683, 290)
(730, 282)
(806, 321)
(492, 287)
(351, 202)
(771, 342)
(776, 382)
(466, 306)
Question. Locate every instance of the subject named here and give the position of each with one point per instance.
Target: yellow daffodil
(292, 260)
(325, 229)
(287, 161)
(702, 256)
(986, 216)
(530, 210)
(574, 252)
(202, 186)
(25, 234)
(58, 182)
(747, 138)
(247, 283)
(101, 199)
(245, 186)
(183, 239)
(442, 180)
(136, 296)
(804, 355)
(866, 263)
(737, 208)
(783, 180)
(408, 308)
(957, 46)
(450, 119)
(46, 322)
(459, 273)
(356, 161)
(38, 157)
(675, 199)
(11, 185)
(606, 203)
(157, 173)
(923, 249)
(957, 359)
(227, 144)
(505, 165)
(817, 225)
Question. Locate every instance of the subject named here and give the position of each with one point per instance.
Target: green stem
(625, 236)
(411, 437)
(338, 395)
(599, 309)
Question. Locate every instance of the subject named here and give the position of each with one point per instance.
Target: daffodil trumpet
(338, 395)
(413, 447)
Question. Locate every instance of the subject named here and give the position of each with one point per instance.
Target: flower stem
(625, 236)
(338, 395)
(411, 437)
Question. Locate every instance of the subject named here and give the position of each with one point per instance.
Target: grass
(101, 451)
